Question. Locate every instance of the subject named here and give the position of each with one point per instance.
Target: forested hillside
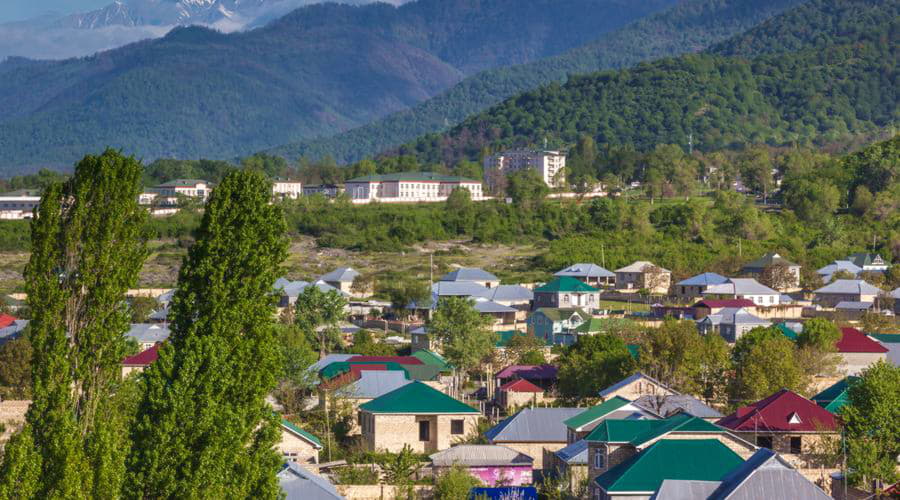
(841, 81)
(319, 70)
(690, 26)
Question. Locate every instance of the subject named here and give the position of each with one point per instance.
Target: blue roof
(298, 483)
(575, 453)
(704, 279)
(510, 293)
(585, 270)
(374, 384)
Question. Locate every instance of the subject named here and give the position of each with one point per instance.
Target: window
(456, 427)
(796, 445)
(424, 431)
(598, 459)
(764, 441)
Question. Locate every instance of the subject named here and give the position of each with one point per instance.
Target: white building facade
(18, 204)
(548, 164)
(282, 188)
(191, 188)
(409, 187)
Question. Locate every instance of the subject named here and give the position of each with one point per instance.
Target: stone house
(712, 306)
(616, 408)
(669, 406)
(297, 445)
(857, 351)
(341, 278)
(490, 464)
(730, 323)
(758, 266)
(518, 393)
(416, 415)
(472, 275)
(745, 288)
(543, 376)
(566, 292)
(590, 274)
(516, 296)
(842, 290)
(869, 261)
(643, 275)
(369, 385)
(635, 386)
(695, 286)
(536, 432)
(140, 361)
(547, 322)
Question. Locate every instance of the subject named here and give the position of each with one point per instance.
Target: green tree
(15, 369)
(319, 313)
(862, 200)
(755, 166)
(592, 363)
(872, 425)
(527, 189)
(715, 365)
(819, 333)
(404, 291)
(465, 335)
(204, 428)
(298, 354)
(525, 349)
(87, 250)
(672, 354)
(399, 467)
(764, 362)
(365, 345)
(454, 484)
(141, 308)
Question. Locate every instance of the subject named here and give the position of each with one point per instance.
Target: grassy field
(627, 306)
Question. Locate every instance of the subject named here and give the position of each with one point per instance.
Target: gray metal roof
(166, 297)
(683, 489)
(301, 484)
(638, 267)
(340, 275)
(766, 475)
(327, 360)
(575, 453)
(145, 333)
(839, 265)
(734, 316)
(741, 286)
(486, 306)
(850, 305)
(480, 455)
(510, 293)
(896, 293)
(295, 288)
(585, 270)
(537, 425)
(13, 331)
(704, 279)
(853, 287)
(469, 274)
(627, 380)
(460, 289)
(374, 384)
(676, 403)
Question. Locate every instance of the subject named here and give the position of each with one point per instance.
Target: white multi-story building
(283, 188)
(326, 190)
(548, 164)
(191, 188)
(409, 187)
(19, 204)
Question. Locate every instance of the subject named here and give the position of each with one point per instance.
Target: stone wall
(542, 453)
(295, 449)
(391, 432)
(379, 491)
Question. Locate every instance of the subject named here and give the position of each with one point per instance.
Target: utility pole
(602, 256)
(691, 143)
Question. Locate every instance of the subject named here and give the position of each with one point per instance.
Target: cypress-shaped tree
(87, 250)
(204, 428)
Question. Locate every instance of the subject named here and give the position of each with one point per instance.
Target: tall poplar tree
(204, 428)
(87, 249)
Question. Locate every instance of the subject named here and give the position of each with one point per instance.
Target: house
(590, 274)
(643, 275)
(566, 292)
(491, 464)
(297, 445)
(891, 342)
(19, 204)
(502, 317)
(471, 275)
(712, 306)
(759, 265)
(572, 461)
(731, 323)
(416, 415)
(857, 351)
(642, 474)
(665, 406)
(617, 408)
(340, 279)
(547, 322)
(635, 386)
(189, 188)
(548, 164)
(844, 290)
(361, 387)
(695, 286)
(763, 475)
(536, 432)
(869, 261)
(784, 422)
(297, 483)
(140, 361)
(544, 376)
(842, 266)
(519, 392)
(744, 288)
(290, 290)
(286, 188)
(853, 308)
(11, 328)
(326, 190)
(834, 397)
(515, 296)
(148, 334)
(409, 187)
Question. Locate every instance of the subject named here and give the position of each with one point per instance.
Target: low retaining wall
(380, 491)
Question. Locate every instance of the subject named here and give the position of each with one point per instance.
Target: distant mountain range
(319, 70)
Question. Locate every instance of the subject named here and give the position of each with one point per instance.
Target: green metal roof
(835, 397)
(412, 177)
(890, 338)
(432, 358)
(566, 284)
(341, 367)
(596, 412)
(687, 459)
(635, 351)
(296, 430)
(562, 313)
(789, 333)
(416, 398)
(638, 432)
(592, 325)
(504, 337)
(422, 372)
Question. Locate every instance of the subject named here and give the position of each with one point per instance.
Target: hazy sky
(16, 10)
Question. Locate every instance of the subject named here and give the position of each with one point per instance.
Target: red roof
(357, 369)
(144, 358)
(716, 304)
(853, 340)
(400, 360)
(6, 320)
(520, 385)
(531, 372)
(784, 411)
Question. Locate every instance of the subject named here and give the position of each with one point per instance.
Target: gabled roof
(510, 293)
(851, 287)
(766, 475)
(486, 306)
(565, 284)
(520, 385)
(595, 413)
(638, 267)
(735, 316)
(432, 358)
(670, 405)
(6, 320)
(297, 483)
(863, 259)
(853, 340)
(585, 271)
(835, 397)
(704, 280)
(775, 413)
(374, 384)
(716, 304)
(417, 398)
(767, 260)
(529, 372)
(852, 305)
(480, 455)
(533, 425)
(740, 286)
(562, 313)
(575, 453)
(639, 432)
(144, 358)
(469, 274)
(148, 332)
(838, 265)
(295, 288)
(632, 378)
(459, 289)
(690, 459)
(297, 431)
(340, 275)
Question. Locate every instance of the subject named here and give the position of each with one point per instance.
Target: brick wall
(391, 432)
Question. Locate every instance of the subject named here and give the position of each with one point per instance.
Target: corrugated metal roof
(341, 274)
(417, 398)
(669, 405)
(486, 306)
(480, 455)
(298, 483)
(849, 287)
(575, 453)
(638, 267)
(595, 413)
(767, 260)
(537, 425)
(374, 384)
(853, 340)
(530, 372)
(685, 489)
(469, 274)
(460, 289)
(703, 280)
(585, 270)
(565, 284)
(852, 305)
(776, 412)
(292, 428)
(148, 332)
(766, 475)
(510, 293)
